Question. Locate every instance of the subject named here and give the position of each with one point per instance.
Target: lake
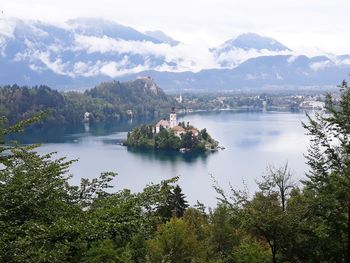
(252, 141)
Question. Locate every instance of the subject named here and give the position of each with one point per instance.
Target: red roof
(178, 129)
(163, 123)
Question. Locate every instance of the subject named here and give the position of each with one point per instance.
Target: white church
(167, 124)
(172, 125)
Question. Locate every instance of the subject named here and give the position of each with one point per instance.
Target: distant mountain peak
(250, 40)
(245, 46)
(100, 27)
(160, 35)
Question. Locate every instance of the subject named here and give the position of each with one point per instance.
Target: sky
(306, 26)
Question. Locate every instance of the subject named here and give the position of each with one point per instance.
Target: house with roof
(171, 124)
(162, 123)
(167, 124)
(178, 130)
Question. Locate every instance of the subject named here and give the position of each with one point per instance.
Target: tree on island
(166, 139)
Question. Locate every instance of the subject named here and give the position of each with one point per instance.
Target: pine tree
(179, 202)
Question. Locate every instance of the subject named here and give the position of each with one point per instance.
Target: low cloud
(292, 58)
(236, 56)
(56, 65)
(185, 57)
(84, 55)
(339, 61)
(86, 69)
(7, 27)
(321, 65)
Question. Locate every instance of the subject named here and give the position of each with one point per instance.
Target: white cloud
(292, 58)
(55, 65)
(341, 61)
(186, 57)
(345, 61)
(320, 65)
(113, 69)
(7, 27)
(236, 56)
(88, 69)
(193, 55)
(299, 24)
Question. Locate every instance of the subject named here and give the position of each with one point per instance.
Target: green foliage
(174, 204)
(329, 177)
(36, 206)
(107, 101)
(146, 138)
(176, 242)
(45, 219)
(167, 140)
(141, 137)
(251, 251)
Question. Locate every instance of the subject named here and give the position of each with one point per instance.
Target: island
(170, 135)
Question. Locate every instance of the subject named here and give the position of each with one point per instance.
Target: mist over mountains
(83, 52)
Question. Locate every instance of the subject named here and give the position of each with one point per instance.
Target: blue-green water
(252, 141)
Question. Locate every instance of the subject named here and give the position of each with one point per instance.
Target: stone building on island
(171, 124)
(162, 123)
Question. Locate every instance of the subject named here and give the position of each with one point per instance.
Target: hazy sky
(304, 25)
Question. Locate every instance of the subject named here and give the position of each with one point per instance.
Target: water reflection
(169, 156)
(87, 127)
(72, 132)
(254, 139)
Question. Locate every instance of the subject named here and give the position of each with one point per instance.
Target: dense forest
(43, 218)
(107, 101)
(145, 137)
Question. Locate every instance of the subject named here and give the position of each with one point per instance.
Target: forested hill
(142, 91)
(108, 101)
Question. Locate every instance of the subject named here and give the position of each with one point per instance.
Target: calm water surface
(252, 140)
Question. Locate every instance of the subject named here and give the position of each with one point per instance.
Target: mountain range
(82, 52)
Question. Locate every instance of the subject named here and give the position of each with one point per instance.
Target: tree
(40, 214)
(266, 215)
(251, 251)
(226, 231)
(267, 220)
(204, 134)
(176, 242)
(174, 203)
(179, 202)
(329, 175)
(278, 180)
(43, 218)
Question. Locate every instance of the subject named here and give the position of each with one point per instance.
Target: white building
(167, 124)
(162, 123)
(172, 119)
(179, 99)
(178, 130)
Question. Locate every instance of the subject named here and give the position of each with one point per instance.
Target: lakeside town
(215, 101)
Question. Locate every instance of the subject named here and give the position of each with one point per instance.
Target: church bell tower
(172, 119)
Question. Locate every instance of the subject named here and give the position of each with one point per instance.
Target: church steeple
(172, 118)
